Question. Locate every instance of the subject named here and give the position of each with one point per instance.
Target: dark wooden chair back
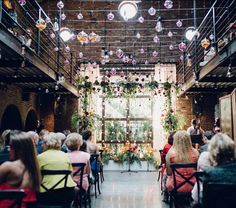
(219, 195)
(79, 172)
(64, 173)
(15, 196)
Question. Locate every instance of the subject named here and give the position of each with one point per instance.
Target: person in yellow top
(54, 159)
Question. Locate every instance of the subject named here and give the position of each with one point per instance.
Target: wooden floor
(129, 190)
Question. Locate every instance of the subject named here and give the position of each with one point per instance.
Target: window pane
(140, 107)
(115, 108)
(115, 131)
(141, 131)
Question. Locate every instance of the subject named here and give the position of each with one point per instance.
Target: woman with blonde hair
(180, 152)
(23, 170)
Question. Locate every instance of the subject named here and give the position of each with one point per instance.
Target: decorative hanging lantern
(80, 16)
(110, 16)
(92, 37)
(141, 19)
(81, 54)
(155, 53)
(170, 34)
(152, 11)
(179, 23)
(138, 36)
(41, 24)
(168, 4)
(156, 39)
(47, 20)
(159, 27)
(182, 46)
(141, 50)
(56, 49)
(119, 53)
(22, 2)
(67, 49)
(82, 37)
(63, 16)
(205, 43)
(110, 52)
(55, 26)
(52, 35)
(211, 36)
(171, 47)
(60, 5)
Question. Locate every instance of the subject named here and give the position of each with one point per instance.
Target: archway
(31, 121)
(11, 118)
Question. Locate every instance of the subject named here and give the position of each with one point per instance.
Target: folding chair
(55, 200)
(101, 167)
(219, 195)
(81, 194)
(15, 196)
(175, 194)
(95, 168)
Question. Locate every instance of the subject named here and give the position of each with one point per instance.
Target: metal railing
(43, 46)
(214, 27)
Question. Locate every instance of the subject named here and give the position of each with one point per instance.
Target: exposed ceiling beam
(32, 79)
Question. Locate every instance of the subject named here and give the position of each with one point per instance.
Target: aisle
(124, 190)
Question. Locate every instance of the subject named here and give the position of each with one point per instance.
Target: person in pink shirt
(73, 142)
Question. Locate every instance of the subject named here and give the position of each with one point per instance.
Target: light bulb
(159, 27)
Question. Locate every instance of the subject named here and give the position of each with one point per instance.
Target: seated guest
(23, 171)
(92, 147)
(206, 139)
(167, 146)
(220, 157)
(39, 146)
(34, 135)
(192, 128)
(54, 159)
(181, 152)
(73, 142)
(4, 146)
(62, 138)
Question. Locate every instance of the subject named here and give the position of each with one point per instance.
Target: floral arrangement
(84, 121)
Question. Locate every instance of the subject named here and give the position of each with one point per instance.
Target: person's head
(194, 122)
(4, 139)
(61, 136)
(22, 148)
(171, 138)
(86, 135)
(42, 133)
(217, 130)
(52, 141)
(182, 145)
(207, 135)
(221, 149)
(74, 141)
(34, 135)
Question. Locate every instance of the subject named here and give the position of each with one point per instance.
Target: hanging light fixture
(159, 26)
(179, 23)
(128, 9)
(65, 34)
(168, 4)
(141, 19)
(110, 16)
(190, 33)
(60, 5)
(152, 11)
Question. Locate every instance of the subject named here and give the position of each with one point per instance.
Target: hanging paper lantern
(141, 50)
(113, 71)
(110, 52)
(141, 19)
(170, 34)
(66, 62)
(110, 16)
(168, 4)
(156, 39)
(119, 53)
(81, 54)
(56, 49)
(82, 37)
(182, 46)
(47, 20)
(159, 27)
(80, 16)
(154, 53)
(63, 16)
(211, 36)
(22, 2)
(52, 35)
(138, 36)
(67, 49)
(41, 24)
(92, 37)
(205, 43)
(171, 47)
(60, 5)
(55, 26)
(179, 23)
(152, 11)
(146, 62)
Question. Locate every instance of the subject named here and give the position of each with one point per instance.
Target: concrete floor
(129, 190)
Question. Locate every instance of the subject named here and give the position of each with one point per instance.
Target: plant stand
(129, 170)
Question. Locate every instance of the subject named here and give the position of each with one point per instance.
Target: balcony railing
(216, 28)
(43, 46)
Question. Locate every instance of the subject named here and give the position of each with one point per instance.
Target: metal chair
(101, 167)
(95, 168)
(175, 194)
(15, 196)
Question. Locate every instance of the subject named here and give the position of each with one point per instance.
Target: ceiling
(120, 34)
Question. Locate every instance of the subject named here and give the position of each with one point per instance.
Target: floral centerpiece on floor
(148, 155)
